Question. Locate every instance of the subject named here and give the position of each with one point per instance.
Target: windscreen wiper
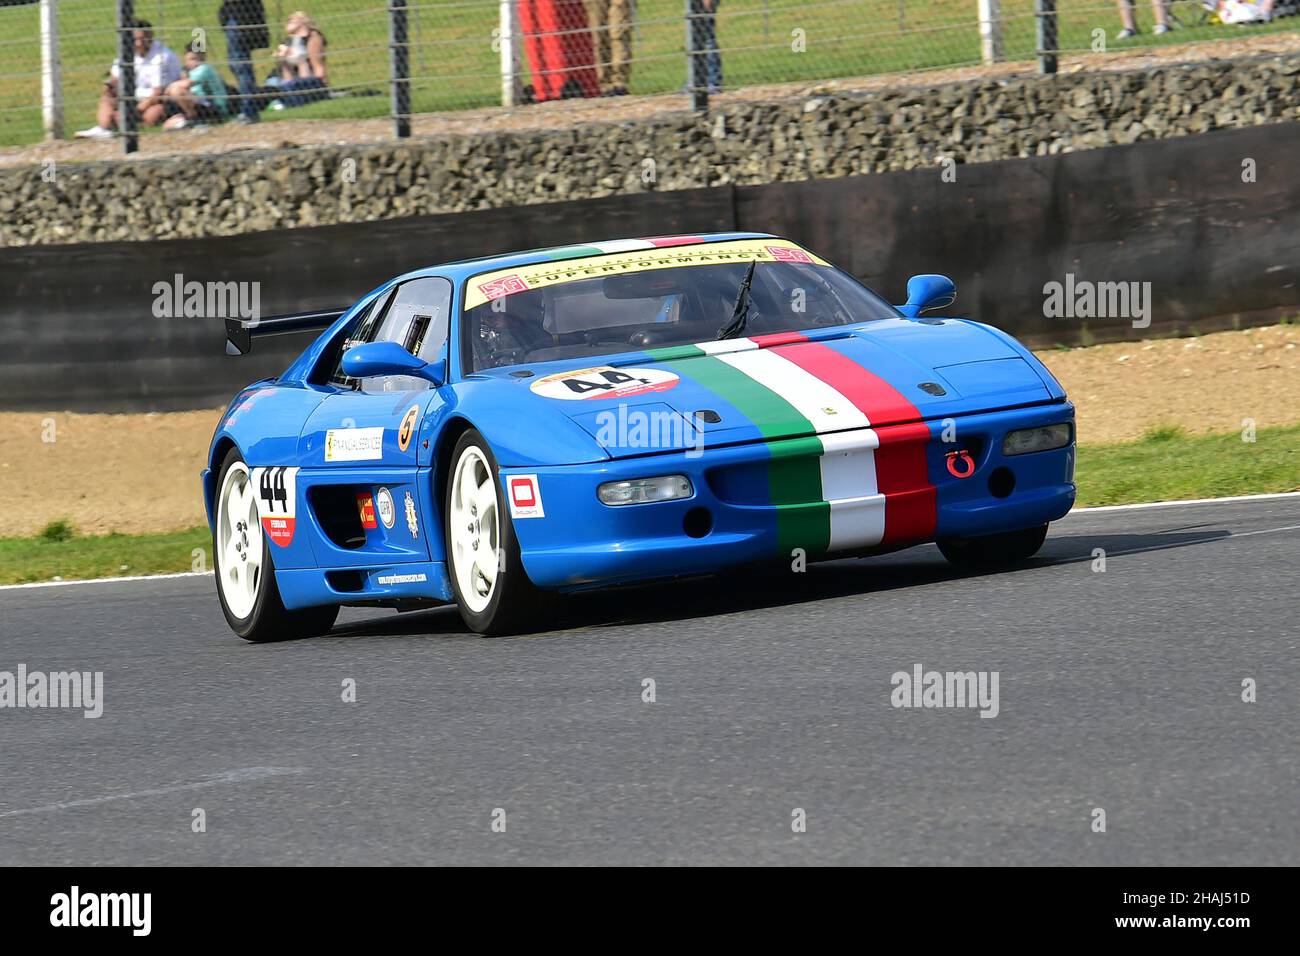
(740, 311)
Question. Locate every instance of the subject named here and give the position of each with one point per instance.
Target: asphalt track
(1118, 690)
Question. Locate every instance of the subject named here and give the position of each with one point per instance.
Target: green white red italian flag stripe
(847, 486)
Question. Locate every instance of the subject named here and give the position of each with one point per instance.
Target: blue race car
(500, 431)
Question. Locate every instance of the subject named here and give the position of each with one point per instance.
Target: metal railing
(358, 59)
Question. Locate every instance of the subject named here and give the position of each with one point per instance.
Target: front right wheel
(492, 591)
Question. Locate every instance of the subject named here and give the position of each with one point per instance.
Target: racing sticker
(384, 505)
(406, 430)
(789, 254)
(603, 381)
(244, 402)
(525, 497)
(505, 285)
(390, 579)
(354, 444)
(277, 502)
(412, 523)
(366, 508)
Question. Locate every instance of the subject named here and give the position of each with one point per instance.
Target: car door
(360, 448)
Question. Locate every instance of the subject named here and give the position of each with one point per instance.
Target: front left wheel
(493, 593)
(246, 586)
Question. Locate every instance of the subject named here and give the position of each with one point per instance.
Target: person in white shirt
(1245, 11)
(156, 68)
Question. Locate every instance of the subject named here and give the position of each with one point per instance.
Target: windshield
(656, 298)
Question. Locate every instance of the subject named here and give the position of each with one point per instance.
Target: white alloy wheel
(239, 542)
(474, 528)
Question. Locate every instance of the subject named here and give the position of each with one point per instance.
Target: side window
(417, 318)
(363, 332)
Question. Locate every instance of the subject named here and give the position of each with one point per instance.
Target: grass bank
(60, 553)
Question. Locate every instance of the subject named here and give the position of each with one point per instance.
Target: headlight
(1036, 439)
(642, 491)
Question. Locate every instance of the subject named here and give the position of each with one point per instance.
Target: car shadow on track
(758, 589)
(771, 588)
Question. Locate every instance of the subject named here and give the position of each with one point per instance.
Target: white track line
(1180, 544)
(1188, 501)
(130, 577)
(1076, 511)
(243, 775)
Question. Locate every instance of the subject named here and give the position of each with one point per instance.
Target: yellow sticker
(540, 275)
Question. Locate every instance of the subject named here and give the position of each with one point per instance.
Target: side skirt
(384, 586)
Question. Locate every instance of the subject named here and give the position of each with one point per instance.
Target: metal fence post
(128, 116)
(990, 17)
(508, 37)
(696, 79)
(51, 71)
(1046, 13)
(401, 67)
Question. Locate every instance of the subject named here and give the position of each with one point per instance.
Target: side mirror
(927, 292)
(389, 358)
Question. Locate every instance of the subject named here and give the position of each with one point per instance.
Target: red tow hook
(960, 458)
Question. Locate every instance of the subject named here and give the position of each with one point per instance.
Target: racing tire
(493, 592)
(245, 571)
(994, 550)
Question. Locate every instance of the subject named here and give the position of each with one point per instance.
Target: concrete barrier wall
(79, 324)
(1211, 221)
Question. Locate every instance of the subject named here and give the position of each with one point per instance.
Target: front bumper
(925, 488)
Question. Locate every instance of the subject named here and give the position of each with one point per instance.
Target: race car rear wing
(239, 332)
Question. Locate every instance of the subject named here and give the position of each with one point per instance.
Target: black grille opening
(1002, 482)
(698, 522)
(336, 510)
(346, 580)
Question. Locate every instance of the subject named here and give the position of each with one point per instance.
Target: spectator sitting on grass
(199, 99)
(156, 68)
(300, 63)
(1130, 24)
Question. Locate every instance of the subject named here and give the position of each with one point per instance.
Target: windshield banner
(540, 275)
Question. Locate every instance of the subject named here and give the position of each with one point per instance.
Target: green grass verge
(1168, 464)
(24, 560)
(454, 66)
(1165, 465)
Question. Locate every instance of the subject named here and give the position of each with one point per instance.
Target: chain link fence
(346, 59)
